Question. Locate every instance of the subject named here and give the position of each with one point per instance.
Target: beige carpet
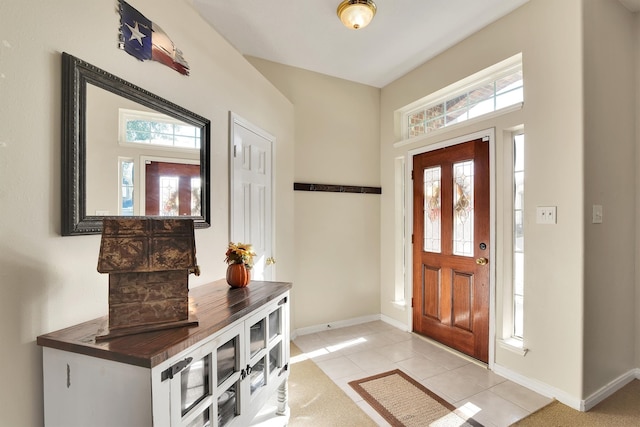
(620, 410)
(316, 401)
(404, 402)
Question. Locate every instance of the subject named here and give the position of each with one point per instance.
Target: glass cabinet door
(227, 359)
(228, 405)
(258, 337)
(229, 374)
(275, 323)
(275, 358)
(203, 419)
(195, 383)
(276, 354)
(257, 376)
(265, 348)
(192, 387)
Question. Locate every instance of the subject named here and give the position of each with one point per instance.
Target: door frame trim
(487, 133)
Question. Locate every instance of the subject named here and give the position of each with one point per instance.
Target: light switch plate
(546, 215)
(597, 214)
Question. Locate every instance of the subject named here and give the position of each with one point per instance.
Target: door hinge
(412, 175)
(412, 239)
(411, 302)
(235, 150)
(174, 369)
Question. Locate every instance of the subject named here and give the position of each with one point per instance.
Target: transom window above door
(489, 90)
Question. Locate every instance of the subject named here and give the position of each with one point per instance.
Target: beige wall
(336, 234)
(47, 281)
(610, 115)
(548, 33)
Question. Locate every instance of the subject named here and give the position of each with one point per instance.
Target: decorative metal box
(149, 261)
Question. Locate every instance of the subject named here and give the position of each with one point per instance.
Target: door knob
(482, 261)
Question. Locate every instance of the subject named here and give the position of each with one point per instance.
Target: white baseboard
(539, 387)
(608, 389)
(394, 322)
(562, 396)
(334, 325)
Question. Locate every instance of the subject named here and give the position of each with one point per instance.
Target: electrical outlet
(546, 215)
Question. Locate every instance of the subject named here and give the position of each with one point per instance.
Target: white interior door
(251, 193)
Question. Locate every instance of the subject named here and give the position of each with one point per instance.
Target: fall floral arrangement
(240, 253)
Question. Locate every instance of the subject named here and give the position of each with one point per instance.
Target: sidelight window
(518, 236)
(513, 333)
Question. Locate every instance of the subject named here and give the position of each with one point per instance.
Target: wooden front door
(451, 247)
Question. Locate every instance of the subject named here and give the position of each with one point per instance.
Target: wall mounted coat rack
(332, 188)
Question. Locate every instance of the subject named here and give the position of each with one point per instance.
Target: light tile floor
(354, 352)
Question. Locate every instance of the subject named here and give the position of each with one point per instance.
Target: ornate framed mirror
(128, 152)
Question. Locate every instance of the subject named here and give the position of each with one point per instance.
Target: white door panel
(251, 192)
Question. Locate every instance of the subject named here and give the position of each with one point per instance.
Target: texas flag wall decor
(145, 40)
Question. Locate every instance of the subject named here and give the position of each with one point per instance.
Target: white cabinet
(230, 377)
(220, 373)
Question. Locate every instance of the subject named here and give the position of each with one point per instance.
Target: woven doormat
(404, 402)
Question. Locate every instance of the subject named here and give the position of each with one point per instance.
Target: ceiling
(308, 34)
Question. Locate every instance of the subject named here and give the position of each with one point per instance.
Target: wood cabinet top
(215, 305)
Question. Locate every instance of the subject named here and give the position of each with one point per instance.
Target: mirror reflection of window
(172, 188)
(170, 196)
(126, 187)
(196, 196)
(156, 129)
(169, 200)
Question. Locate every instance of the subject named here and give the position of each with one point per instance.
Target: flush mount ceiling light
(356, 14)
